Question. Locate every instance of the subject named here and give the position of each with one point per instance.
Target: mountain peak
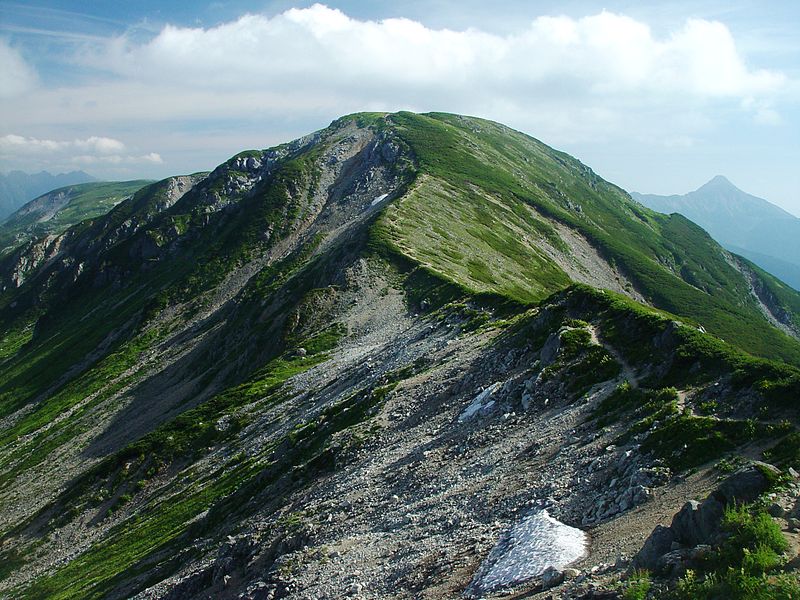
(719, 182)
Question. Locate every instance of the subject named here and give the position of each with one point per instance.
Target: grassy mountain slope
(56, 211)
(490, 176)
(209, 354)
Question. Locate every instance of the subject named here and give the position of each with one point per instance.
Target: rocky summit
(407, 356)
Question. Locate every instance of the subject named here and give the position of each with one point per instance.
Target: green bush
(737, 585)
(754, 540)
(743, 566)
(575, 340)
(786, 452)
(637, 586)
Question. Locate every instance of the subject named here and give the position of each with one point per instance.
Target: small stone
(571, 573)
(776, 510)
(353, 589)
(551, 578)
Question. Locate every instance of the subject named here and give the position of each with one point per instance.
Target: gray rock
(776, 510)
(655, 546)
(551, 578)
(550, 349)
(353, 589)
(673, 563)
(746, 484)
(697, 522)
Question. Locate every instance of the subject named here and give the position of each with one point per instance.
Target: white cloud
(101, 145)
(94, 150)
(318, 60)
(29, 145)
(16, 76)
(564, 79)
(323, 49)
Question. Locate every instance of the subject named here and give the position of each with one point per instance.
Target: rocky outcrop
(697, 524)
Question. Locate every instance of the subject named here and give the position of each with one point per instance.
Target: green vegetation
(197, 428)
(681, 439)
(574, 341)
(637, 586)
(15, 337)
(159, 523)
(744, 566)
(77, 203)
(786, 453)
(484, 201)
(41, 429)
(645, 335)
(125, 548)
(646, 404)
(685, 441)
(138, 542)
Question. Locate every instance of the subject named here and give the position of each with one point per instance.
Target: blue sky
(656, 97)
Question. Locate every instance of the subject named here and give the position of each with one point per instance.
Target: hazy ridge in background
(750, 226)
(18, 187)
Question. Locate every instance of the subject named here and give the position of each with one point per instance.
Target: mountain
(383, 360)
(18, 187)
(56, 211)
(745, 224)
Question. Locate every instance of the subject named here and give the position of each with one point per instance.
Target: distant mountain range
(745, 224)
(17, 187)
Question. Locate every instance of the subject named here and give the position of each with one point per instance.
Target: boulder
(655, 546)
(747, 484)
(697, 522)
(551, 578)
(673, 563)
(550, 349)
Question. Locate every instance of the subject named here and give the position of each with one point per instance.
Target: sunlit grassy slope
(468, 217)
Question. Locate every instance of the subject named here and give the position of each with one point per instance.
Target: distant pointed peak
(720, 181)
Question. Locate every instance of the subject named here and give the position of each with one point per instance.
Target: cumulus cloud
(16, 76)
(322, 49)
(94, 150)
(30, 145)
(564, 79)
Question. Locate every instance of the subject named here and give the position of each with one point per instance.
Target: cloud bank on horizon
(567, 80)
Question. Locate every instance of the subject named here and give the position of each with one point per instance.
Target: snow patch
(527, 550)
(379, 199)
(478, 403)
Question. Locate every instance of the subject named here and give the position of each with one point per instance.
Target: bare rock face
(657, 545)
